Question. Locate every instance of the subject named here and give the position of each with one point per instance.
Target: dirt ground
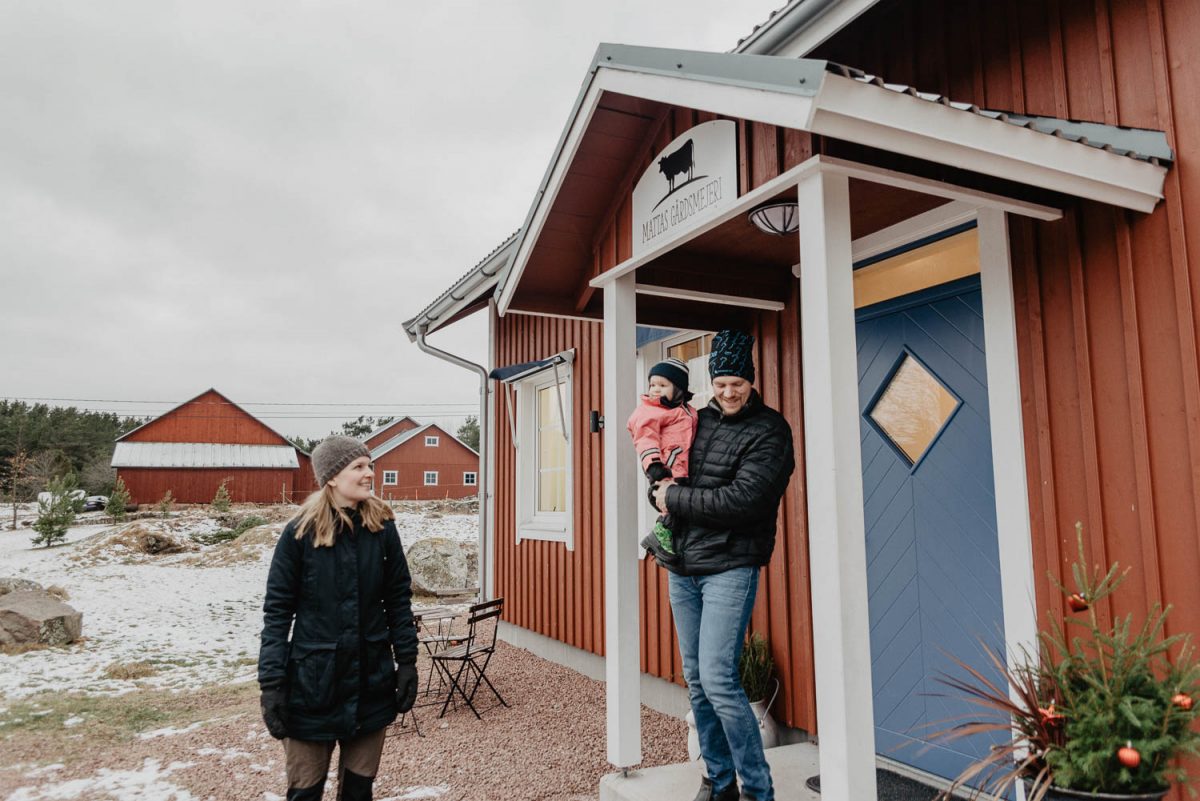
(210, 744)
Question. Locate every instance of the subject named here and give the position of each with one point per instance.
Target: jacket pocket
(312, 675)
(380, 669)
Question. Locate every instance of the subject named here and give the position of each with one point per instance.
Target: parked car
(95, 503)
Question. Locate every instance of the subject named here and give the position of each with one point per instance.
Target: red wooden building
(984, 248)
(203, 442)
(422, 462)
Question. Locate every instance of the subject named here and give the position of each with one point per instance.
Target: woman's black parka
(352, 610)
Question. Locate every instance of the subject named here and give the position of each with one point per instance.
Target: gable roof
(463, 294)
(220, 395)
(400, 439)
(832, 100)
(388, 425)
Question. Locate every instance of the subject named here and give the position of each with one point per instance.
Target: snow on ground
(194, 624)
(150, 783)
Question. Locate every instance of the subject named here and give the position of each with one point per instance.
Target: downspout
(481, 478)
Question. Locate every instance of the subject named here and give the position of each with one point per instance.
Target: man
(741, 461)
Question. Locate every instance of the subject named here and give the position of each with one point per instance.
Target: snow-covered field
(195, 623)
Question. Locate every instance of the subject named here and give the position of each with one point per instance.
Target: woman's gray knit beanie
(333, 454)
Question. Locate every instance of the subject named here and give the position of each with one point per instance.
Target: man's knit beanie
(732, 355)
(674, 370)
(333, 454)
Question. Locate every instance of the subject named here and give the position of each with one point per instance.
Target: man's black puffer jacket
(349, 611)
(739, 468)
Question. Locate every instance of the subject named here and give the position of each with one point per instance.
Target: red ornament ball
(1183, 701)
(1129, 756)
(1077, 602)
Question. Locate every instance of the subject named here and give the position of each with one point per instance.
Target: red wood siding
(148, 485)
(211, 417)
(1107, 329)
(449, 458)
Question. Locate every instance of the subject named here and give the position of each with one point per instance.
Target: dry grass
(59, 592)
(127, 671)
(22, 648)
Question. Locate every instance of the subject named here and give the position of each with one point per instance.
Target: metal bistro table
(434, 633)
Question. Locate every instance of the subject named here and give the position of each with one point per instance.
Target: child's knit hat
(674, 370)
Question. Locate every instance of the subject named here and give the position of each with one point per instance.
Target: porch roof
(628, 89)
(463, 297)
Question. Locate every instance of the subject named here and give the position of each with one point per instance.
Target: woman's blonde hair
(320, 515)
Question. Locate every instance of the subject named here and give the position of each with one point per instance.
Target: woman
(340, 584)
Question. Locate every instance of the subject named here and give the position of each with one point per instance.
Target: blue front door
(933, 569)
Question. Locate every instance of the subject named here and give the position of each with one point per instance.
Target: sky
(253, 196)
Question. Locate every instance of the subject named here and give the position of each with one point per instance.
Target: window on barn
(390, 477)
(431, 442)
(468, 479)
(431, 478)
(544, 455)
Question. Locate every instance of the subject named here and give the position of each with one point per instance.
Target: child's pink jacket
(663, 434)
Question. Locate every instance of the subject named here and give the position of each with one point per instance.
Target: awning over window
(519, 372)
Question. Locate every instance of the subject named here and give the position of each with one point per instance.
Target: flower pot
(768, 729)
(1061, 794)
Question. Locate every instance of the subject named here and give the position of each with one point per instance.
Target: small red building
(422, 463)
(191, 449)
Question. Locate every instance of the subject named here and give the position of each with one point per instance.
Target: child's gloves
(656, 471)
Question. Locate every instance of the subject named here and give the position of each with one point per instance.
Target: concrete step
(790, 766)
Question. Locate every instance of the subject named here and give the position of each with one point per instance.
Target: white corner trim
(1015, 536)
(878, 117)
(709, 297)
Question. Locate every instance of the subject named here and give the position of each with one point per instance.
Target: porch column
(1015, 537)
(622, 657)
(833, 462)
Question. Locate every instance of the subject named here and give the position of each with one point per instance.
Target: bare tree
(18, 463)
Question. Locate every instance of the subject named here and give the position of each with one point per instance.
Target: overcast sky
(253, 195)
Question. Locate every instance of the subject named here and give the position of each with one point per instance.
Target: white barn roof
(203, 454)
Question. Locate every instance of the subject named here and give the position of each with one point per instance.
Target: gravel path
(550, 744)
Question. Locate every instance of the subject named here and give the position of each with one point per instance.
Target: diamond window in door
(913, 408)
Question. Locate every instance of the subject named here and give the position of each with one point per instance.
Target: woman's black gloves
(274, 710)
(406, 685)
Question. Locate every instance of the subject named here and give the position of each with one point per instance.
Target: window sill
(548, 533)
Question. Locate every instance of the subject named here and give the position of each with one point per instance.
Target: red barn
(423, 463)
(191, 449)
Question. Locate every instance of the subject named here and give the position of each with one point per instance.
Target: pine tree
(118, 500)
(221, 502)
(57, 513)
(468, 432)
(165, 503)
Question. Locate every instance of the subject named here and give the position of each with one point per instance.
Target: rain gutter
(481, 477)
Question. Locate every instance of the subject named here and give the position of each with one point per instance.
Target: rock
(440, 563)
(8, 585)
(34, 616)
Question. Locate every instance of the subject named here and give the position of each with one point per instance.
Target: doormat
(890, 787)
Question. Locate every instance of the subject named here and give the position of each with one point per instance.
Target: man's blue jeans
(711, 614)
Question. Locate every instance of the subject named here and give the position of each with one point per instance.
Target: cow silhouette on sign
(677, 163)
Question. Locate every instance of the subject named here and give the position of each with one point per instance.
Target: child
(662, 427)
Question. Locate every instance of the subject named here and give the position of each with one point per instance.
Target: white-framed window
(692, 348)
(469, 479)
(431, 441)
(391, 478)
(545, 456)
(431, 478)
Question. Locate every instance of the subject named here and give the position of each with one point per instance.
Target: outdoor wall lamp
(779, 217)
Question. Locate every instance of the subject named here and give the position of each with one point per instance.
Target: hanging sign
(692, 180)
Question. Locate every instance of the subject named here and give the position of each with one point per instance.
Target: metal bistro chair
(472, 656)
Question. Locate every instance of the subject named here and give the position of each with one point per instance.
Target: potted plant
(756, 669)
(1102, 713)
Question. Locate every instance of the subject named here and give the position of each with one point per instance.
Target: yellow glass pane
(693, 348)
(552, 449)
(913, 408)
(946, 260)
(547, 406)
(552, 491)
